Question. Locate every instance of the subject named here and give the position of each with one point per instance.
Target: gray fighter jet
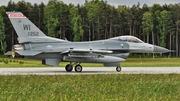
(34, 44)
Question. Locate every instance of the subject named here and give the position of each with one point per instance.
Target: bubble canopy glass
(128, 39)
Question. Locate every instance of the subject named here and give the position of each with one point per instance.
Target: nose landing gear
(118, 68)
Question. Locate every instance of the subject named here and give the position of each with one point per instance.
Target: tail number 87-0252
(33, 33)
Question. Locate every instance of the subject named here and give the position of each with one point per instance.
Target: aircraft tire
(118, 68)
(69, 68)
(78, 68)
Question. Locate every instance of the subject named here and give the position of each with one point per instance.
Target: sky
(111, 2)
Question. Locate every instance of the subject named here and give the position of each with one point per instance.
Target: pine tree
(147, 24)
(75, 23)
(2, 31)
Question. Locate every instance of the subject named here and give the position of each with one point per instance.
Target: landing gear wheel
(69, 68)
(78, 68)
(118, 69)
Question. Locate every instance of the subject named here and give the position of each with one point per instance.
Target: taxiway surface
(88, 70)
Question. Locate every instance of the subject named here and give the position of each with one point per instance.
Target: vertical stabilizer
(26, 30)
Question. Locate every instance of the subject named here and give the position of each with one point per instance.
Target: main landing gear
(69, 67)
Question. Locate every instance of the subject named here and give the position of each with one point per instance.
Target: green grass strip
(137, 87)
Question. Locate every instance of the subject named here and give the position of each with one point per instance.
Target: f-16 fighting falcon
(34, 44)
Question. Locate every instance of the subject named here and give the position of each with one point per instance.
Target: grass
(130, 62)
(15, 63)
(91, 87)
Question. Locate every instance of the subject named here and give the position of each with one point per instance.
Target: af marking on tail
(27, 27)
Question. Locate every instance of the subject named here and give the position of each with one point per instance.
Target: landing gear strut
(69, 67)
(118, 68)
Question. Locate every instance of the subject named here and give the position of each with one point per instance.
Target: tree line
(96, 20)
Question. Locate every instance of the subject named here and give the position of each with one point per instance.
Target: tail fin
(26, 30)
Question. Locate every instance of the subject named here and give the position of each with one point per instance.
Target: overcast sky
(111, 2)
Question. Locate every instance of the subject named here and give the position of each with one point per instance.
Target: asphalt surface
(88, 70)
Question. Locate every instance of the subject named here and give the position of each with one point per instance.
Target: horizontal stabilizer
(28, 52)
(8, 53)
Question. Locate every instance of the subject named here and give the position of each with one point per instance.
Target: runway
(88, 70)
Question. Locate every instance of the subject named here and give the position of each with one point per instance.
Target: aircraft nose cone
(158, 49)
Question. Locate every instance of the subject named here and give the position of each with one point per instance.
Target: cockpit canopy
(128, 39)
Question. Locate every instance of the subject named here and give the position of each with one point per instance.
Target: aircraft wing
(85, 51)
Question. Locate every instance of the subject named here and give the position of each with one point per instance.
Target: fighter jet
(34, 44)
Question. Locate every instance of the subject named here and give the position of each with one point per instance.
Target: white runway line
(88, 70)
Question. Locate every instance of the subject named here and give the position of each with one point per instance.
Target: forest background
(96, 20)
